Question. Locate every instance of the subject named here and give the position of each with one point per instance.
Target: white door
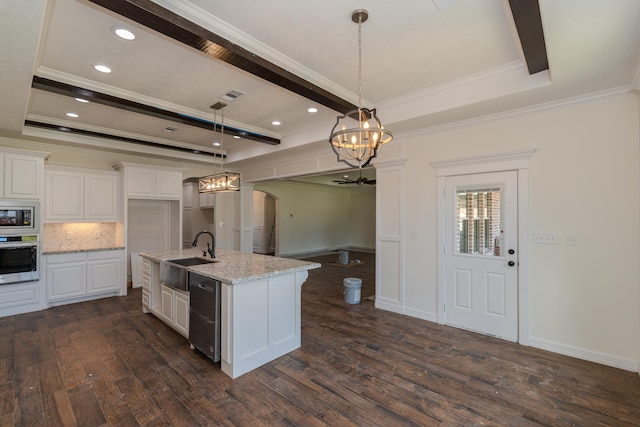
(481, 256)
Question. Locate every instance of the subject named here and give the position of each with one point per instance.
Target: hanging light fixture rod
(357, 136)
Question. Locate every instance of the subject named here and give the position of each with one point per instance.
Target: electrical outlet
(545, 238)
(570, 239)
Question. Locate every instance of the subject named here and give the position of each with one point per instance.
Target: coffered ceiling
(426, 63)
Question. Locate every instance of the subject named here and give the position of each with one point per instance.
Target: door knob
(511, 263)
(511, 252)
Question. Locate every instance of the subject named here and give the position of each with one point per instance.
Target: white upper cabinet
(140, 183)
(207, 200)
(63, 195)
(22, 174)
(78, 195)
(147, 182)
(168, 185)
(100, 196)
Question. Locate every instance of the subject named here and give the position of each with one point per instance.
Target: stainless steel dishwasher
(204, 315)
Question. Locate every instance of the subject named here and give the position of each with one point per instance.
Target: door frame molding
(509, 161)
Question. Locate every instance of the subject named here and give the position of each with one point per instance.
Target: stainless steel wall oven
(18, 259)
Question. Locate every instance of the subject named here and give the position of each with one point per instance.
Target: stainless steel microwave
(19, 217)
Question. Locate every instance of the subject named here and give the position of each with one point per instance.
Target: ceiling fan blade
(372, 182)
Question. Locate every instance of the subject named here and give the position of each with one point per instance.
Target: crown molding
(520, 111)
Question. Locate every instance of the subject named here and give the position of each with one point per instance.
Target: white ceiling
(422, 66)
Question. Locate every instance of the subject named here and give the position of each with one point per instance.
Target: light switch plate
(545, 238)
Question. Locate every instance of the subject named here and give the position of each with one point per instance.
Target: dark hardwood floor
(105, 363)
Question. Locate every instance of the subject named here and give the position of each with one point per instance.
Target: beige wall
(362, 221)
(315, 218)
(584, 180)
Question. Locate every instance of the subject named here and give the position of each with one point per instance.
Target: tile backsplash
(79, 236)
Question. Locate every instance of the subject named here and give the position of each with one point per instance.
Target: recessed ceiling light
(170, 129)
(276, 123)
(216, 144)
(82, 100)
(236, 136)
(123, 33)
(102, 68)
(74, 115)
(312, 109)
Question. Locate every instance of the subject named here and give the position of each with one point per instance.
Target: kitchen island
(260, 303)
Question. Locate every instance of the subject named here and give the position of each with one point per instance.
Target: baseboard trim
(584, 354)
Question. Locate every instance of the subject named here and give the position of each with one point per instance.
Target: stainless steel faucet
(210, 249)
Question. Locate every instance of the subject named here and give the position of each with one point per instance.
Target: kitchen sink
(188, 262)
(173, 272)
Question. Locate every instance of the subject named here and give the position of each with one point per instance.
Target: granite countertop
(84, 249)
(236, 267)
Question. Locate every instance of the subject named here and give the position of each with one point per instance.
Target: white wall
(362, 221)
(311, 217)
(584, 180)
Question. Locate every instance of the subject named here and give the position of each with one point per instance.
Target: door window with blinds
(479, 230)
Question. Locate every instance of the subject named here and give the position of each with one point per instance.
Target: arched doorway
(265, 239)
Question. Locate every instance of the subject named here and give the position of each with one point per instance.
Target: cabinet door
(65, 280)
(141, 183)
(207, 200)
(104, 275)
(187, 194)
(168, 185)
(64, 195)
(22, 176)
(101, 197)
(181, 319)
(167, 296)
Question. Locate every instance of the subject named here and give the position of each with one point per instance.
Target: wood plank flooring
(104, 363)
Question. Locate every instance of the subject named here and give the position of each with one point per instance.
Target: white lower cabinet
(84, 275)
(175, 309)
(65, 276)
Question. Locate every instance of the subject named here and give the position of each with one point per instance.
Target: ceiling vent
(232, 95)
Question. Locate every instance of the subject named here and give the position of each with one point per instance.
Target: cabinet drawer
(145, 298)
(98, 255)
(146, 266)
(61, 258)
(146, 282)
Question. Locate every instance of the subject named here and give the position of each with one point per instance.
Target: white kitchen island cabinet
(260, 304)
(260, 321)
